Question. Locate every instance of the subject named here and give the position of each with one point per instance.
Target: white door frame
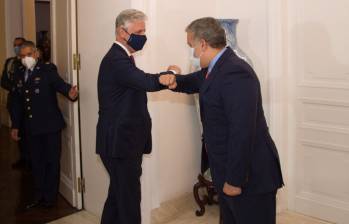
(78, 200)
(278, 91)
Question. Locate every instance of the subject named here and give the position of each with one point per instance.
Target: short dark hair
(208, 29)
(28, 43)
(20, 38)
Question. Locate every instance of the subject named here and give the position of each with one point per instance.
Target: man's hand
(231, 190)
(14, 134)
(175, 68)
(168, 80)
(73, 92)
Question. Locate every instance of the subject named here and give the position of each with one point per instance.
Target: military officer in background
(35, 103)
(7, 83)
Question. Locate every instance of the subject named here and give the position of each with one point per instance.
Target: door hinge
(76, 62)
(81, 185)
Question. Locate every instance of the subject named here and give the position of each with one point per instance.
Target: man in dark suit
(7, 82)
(243, 158)
(124, 124)
(35, 104)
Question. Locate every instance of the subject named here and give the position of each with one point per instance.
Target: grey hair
(128, 16)
(28, 43)
(208, 29)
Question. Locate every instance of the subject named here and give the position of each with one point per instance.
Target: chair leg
(198, 200)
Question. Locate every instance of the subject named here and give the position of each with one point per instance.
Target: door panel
(318, 62)
(64, 46)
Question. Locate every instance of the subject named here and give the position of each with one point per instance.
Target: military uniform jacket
(35, 100)
(7, 79)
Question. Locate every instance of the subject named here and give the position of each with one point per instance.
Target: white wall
(179, 136)
(3, 94)
(28, 20)
(14, 25)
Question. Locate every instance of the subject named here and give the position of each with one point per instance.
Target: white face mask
(195, 61)
(29, 62)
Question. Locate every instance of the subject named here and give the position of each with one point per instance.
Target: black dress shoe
(34, 204)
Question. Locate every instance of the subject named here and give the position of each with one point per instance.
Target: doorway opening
(41, 21)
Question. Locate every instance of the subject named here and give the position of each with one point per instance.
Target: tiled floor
(182, 212)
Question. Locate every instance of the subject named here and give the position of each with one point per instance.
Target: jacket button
(28, 99)
(30, 116)
(27, 91)
(28, 108)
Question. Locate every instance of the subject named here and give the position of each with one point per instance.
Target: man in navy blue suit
(243, 158)
(124, 124)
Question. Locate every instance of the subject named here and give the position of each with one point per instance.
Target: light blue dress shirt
(214, 60)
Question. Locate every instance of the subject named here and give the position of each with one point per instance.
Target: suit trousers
(248, 209)
(45, 153)
(124, 195)
(24, 154)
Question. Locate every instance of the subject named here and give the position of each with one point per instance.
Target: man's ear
(121, 32)
(203, 44)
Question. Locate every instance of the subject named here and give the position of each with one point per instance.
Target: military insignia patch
(37, 80)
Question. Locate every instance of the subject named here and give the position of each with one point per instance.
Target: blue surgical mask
(136, 41)
(17, 50)
(195, 61)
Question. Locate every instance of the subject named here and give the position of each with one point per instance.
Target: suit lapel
(119, 50)
(216, 69)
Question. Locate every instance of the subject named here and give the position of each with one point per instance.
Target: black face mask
(136, 41)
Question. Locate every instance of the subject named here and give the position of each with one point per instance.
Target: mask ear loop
(199, 57)
(127, 33)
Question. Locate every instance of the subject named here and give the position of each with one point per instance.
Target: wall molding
(326, 201)
(323, 128)
(319, 84)
(326, 146)
(318, 101)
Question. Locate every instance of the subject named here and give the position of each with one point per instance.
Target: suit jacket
(35, 100)
(7, 78)
(240, 149)
(124, 123)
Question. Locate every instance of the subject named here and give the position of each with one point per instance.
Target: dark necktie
(27, 75)
(133, 60)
